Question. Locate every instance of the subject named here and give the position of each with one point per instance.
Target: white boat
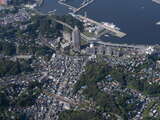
(72, 14)
(156, 1)
(111, 25)
(53, 11)
(106, 35)
(158, 23)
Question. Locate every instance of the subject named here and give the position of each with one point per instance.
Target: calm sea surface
(137, 18)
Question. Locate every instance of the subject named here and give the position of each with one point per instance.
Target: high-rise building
(76, 39)
(108, 51)
(67, 36)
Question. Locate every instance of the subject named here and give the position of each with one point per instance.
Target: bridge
(83, 6)
(116, 32)
(75, 10)
(69, 6)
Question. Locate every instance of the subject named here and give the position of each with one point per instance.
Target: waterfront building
(115, 52)
(108, 51)
(90, 51)
(100, 50)
(76, 39)
(158, 64)
(65, 47)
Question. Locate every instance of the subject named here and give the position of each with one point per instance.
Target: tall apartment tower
(76, 39)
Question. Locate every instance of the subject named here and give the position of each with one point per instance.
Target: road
(121, 45)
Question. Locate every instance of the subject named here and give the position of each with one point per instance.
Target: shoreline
(110, 43)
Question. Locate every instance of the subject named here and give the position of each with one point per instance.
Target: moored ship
(111, 25)
(156, 1)
(158, 23)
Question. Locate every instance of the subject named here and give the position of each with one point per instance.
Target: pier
(114, 31)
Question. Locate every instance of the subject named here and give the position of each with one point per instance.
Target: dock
(114, 31)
